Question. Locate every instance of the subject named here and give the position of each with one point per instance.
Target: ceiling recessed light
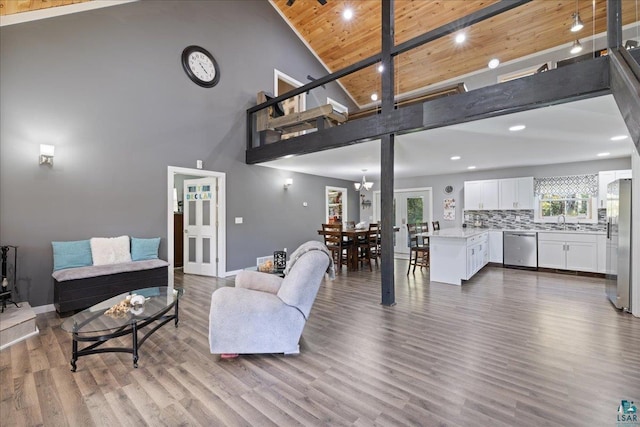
(618, 137)
(516, 128)
(603, 154)
(494, 63)
(461, 37)
(347, 14)
(380, 68)
(455, 158)
(471, 167)
(374, 96)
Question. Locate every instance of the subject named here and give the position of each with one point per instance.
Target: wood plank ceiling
(10, 7)
(532, 28)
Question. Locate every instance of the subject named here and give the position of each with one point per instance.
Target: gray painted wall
(107, 88)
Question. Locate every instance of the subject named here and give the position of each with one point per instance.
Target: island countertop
(456, 233)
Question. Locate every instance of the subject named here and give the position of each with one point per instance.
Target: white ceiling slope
(564, 133)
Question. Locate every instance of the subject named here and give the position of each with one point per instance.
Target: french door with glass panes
(409, 207)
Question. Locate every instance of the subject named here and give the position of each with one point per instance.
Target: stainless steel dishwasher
(520, 249)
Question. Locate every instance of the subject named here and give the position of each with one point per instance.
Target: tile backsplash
(523, 219)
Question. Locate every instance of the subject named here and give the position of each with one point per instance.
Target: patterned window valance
(567, 186)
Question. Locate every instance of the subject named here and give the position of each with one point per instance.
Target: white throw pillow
(110, 250)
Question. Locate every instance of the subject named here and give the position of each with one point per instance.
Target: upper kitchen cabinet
(481, 195)
(604, 179)
(516, 193)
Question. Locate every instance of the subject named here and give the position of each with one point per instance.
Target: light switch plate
(239, 220)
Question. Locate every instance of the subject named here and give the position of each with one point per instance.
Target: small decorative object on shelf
(280, 260)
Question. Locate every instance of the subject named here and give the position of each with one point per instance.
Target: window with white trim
(568, 198)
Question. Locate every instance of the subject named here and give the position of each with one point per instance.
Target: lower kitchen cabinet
(568, 251)
(477, 254)
(457, 255)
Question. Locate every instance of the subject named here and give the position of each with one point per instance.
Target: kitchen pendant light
(576, 47)
(363, 184)
(577, 24)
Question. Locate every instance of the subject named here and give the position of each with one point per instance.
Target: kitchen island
(457, 254)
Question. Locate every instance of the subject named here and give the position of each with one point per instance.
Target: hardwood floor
(510, 347)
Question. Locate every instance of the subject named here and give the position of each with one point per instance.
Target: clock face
(200, 66)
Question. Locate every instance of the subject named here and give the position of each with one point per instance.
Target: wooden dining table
(353, 235)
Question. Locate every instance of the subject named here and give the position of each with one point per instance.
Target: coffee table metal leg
(134, 334)
(74, 353)
(176, 315)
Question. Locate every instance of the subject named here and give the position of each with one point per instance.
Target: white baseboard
(233, 273)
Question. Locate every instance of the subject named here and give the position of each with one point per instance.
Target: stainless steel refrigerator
(618, 273)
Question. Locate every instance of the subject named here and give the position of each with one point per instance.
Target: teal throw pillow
(71, 254)
(143, 249)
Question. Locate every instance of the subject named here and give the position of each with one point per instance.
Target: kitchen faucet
(564, 221)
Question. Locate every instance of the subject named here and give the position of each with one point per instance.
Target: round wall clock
(200, 66)
(448, 189)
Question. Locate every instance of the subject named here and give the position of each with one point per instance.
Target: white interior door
(200, 226)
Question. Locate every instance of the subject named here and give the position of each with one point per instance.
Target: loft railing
(401, 52)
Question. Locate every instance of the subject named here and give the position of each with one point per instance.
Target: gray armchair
(264, 313)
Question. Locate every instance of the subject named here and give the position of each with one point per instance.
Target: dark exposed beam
(614, 23)
(625, 86)
(351, 132)
(458, 24)
(582, 80)
(387, 148)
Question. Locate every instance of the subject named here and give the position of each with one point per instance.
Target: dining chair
(418, 250)
(369, 246)
(340, 248)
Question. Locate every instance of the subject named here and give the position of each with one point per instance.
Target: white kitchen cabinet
(481, 195)
(604, 179)
(568, 251)
(516, 193)
(495, 246)
(477, 254)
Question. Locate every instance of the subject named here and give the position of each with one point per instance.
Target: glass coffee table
(94, 326)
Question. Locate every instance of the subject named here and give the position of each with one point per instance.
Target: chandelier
(363, 184)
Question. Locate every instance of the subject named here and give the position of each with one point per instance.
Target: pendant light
(576, 47)
(363, 184)
(577, 24)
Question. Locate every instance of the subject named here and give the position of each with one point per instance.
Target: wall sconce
(46, 154)
(287, 183)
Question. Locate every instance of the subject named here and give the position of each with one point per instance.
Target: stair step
(17, 324)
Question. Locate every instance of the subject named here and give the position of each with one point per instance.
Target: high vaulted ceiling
(525, 30)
